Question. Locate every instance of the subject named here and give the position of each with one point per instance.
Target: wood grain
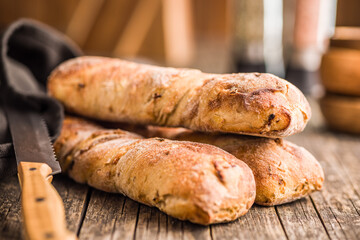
(335, 204)
(74, 196)
(127, 221)
(10, 216)
(152, 224)
(259, 223)
(101, 216)
(301, 221)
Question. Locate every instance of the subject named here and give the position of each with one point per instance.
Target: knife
(42, 208)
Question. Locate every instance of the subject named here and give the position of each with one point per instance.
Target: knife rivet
(40, 199)
(32, 169)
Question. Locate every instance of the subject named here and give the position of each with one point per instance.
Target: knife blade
(31, 139)
(42, 208)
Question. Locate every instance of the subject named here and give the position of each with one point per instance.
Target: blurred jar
(306, 37)
(276, 35)
(258, 36)
(249, 34)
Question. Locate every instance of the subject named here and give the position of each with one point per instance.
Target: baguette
(189, 181)
(283, 171)
(121, 91)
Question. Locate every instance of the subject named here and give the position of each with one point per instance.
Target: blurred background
(305, 41)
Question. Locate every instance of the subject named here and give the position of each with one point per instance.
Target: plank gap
(137, 220)
(148, 219)
(211, 233)
(354, 206)
(281, 223)
(123, 206)
(166, 224)
(83, 211)
(158, 225)
(114, 226)
(341, 227)
(12, 206)
(320, 217)
(9, 210)
(182, 230)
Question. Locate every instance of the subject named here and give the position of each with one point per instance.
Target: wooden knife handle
(42, 208)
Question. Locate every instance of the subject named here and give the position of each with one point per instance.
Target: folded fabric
(30, 50)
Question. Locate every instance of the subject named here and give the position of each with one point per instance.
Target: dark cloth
(29, 52)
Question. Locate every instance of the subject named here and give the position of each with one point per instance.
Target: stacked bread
(206, 172)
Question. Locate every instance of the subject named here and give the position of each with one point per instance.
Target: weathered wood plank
(153, 224)
(348, 156)
(113, 216)
(101, 215)
(258, 223)
(175, 229)
(301, 221)
(10, 215)
(194, 232)
(74, 197)
(125, 225)
(337, 202)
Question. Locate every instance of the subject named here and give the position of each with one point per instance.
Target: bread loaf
(116, 90)
(189, 181)
(283, 171)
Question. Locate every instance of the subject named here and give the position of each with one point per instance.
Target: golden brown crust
(117, 90)
(189, 181)
(283, 171)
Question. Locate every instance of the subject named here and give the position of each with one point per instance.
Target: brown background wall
(210, 20)
(348, 13)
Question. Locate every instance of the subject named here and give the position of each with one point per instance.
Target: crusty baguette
(189, 181)
(116, 90)
(283, 171)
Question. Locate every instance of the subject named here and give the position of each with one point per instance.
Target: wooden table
(332, 213)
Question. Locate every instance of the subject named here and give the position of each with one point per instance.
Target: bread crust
(116, 90)
(283, 171)
(189, 181)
